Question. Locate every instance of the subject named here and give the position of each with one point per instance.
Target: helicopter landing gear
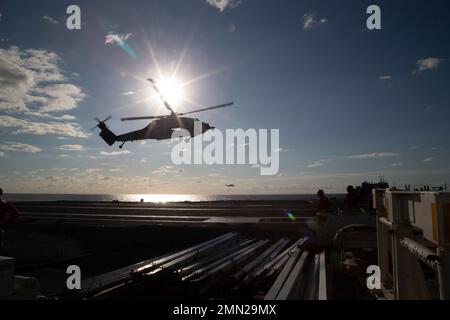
(121, 146)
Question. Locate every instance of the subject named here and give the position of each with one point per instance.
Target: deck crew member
(8, 215)
(351, 199)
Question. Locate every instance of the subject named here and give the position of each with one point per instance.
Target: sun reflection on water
(159, 198)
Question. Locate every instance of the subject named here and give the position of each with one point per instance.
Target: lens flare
(290, 215)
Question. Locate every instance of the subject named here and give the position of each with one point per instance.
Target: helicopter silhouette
(161, 128)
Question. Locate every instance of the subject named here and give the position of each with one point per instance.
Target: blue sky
(351, 104)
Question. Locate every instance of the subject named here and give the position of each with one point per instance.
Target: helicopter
(161, 128)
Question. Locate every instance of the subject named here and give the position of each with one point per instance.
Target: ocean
(156, 198)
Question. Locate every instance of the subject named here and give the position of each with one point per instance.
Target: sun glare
(171, 90)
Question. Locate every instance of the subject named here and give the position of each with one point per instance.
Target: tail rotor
(100, 122)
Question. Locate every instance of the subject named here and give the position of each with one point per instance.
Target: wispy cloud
(397, 164)
(430, 63)
(120, 40)
(117, 38)
(429, 159)
(49, 116)
(319, 163)
(115, 153)
(93, 170)
(311, 22)
(19, 147)
(224, 4)
(164, 170)
(374, 155)
(50, 19)
(385, 77)
(71, 147)
(41, 128)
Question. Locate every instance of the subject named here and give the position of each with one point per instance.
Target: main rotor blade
(166, 104)
(142, 118)
(210, 108)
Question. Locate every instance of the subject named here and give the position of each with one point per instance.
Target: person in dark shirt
(8, 212)
(351, 200)
(8, 215)
(324, 204)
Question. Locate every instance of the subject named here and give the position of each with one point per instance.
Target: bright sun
(171, 90)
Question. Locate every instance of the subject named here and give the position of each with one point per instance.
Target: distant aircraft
(160, 129)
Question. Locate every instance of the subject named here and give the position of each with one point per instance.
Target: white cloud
(2, 154)
(129, 93)
(115, 153)
(60, 97)
(429, 159)
(224, 4)
(374, 155)
(385, 77)
(115, 170)
(71, 147)
(19, 147)
(41, 128)
(318, 163)
(163, 170)
(397, 164)
(117, 38)
(216, 175)
(50, 19)
(28, 82)
(427, 64)
(310, 21)
(93, 170)
(49, 116)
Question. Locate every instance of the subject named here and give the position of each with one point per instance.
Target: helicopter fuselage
(162, 129)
